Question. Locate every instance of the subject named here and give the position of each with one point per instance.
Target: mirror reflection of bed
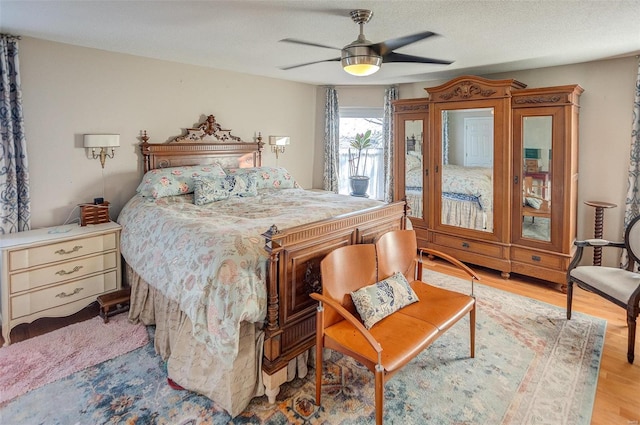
(467, 168)
(414, 167)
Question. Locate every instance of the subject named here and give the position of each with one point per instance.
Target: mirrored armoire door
(533, 190)
(545, 181)
(410, 127)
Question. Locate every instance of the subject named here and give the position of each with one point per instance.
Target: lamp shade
(101, 140)
(279, 140)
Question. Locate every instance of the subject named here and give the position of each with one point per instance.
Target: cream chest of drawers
(57, 271)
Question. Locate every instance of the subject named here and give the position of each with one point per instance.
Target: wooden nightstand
(57, 271)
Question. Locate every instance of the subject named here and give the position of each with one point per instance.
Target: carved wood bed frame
(293, 269)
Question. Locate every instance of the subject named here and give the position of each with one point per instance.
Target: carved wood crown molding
(403, 108)
(467, 90)
(538, 99)
(207, 130)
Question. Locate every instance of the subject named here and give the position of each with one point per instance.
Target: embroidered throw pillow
(377, 301)
(533, 202)
(268, 177)
(212, 189)
(244, 184)
(173, 181)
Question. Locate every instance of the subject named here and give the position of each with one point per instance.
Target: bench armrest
(349, 318)
(450, 259)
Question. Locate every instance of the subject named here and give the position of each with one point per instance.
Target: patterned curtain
(390, 94)
(15, 204)
(445, 138)
(632, 202)
(331, 140)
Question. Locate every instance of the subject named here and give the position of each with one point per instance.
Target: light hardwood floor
(617, 396)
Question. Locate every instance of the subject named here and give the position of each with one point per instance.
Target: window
(352, 122)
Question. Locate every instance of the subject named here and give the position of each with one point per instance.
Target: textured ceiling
(481, 37)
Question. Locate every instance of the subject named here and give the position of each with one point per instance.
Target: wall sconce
(278, 143)
(102, 141)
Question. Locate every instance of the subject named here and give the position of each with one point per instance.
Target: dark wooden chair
(618, 285)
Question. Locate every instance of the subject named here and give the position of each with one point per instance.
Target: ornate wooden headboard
(205, 144)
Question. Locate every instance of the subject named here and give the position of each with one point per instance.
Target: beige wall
(605, 130)
(68, 91)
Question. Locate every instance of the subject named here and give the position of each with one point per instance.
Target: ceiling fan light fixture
(361, 69)
(360, 61)
(362, 57)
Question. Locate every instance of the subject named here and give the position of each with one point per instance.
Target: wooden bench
(399, 337)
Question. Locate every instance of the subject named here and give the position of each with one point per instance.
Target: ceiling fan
(362, 57)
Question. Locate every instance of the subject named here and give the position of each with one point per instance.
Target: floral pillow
(413, 160)
(377, 301)
(268, 177)
(212, 189)
(173, 181)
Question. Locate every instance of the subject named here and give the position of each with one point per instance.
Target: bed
(466, 194)
(227, 283)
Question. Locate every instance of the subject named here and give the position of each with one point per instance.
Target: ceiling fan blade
(399, 57)
(284, 68)
(308, 43)
(385, 47)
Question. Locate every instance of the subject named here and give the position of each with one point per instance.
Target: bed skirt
(414, 203)
(189, 363)
(466, 214)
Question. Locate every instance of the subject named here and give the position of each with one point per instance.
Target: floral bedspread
(211, 258)
(472, 181)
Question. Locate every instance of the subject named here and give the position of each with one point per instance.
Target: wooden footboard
(294, 273)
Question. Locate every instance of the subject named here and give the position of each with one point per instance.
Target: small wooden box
(531, 165)
(114, 303)
(94, 213)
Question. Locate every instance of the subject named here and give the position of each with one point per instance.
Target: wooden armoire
(489, 169)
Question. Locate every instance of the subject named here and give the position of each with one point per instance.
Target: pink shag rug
(32, 363)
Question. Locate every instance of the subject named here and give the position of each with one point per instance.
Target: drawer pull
(535, 258)
(63, 252)
(64, 272)
(465, 245)
(64, 295)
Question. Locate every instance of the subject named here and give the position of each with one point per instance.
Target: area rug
(532, 366)
(37, 361)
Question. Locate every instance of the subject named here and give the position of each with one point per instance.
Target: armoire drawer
(39, 255)
(52, 297)
(537, 258)
(59, 272)
(482, 248)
